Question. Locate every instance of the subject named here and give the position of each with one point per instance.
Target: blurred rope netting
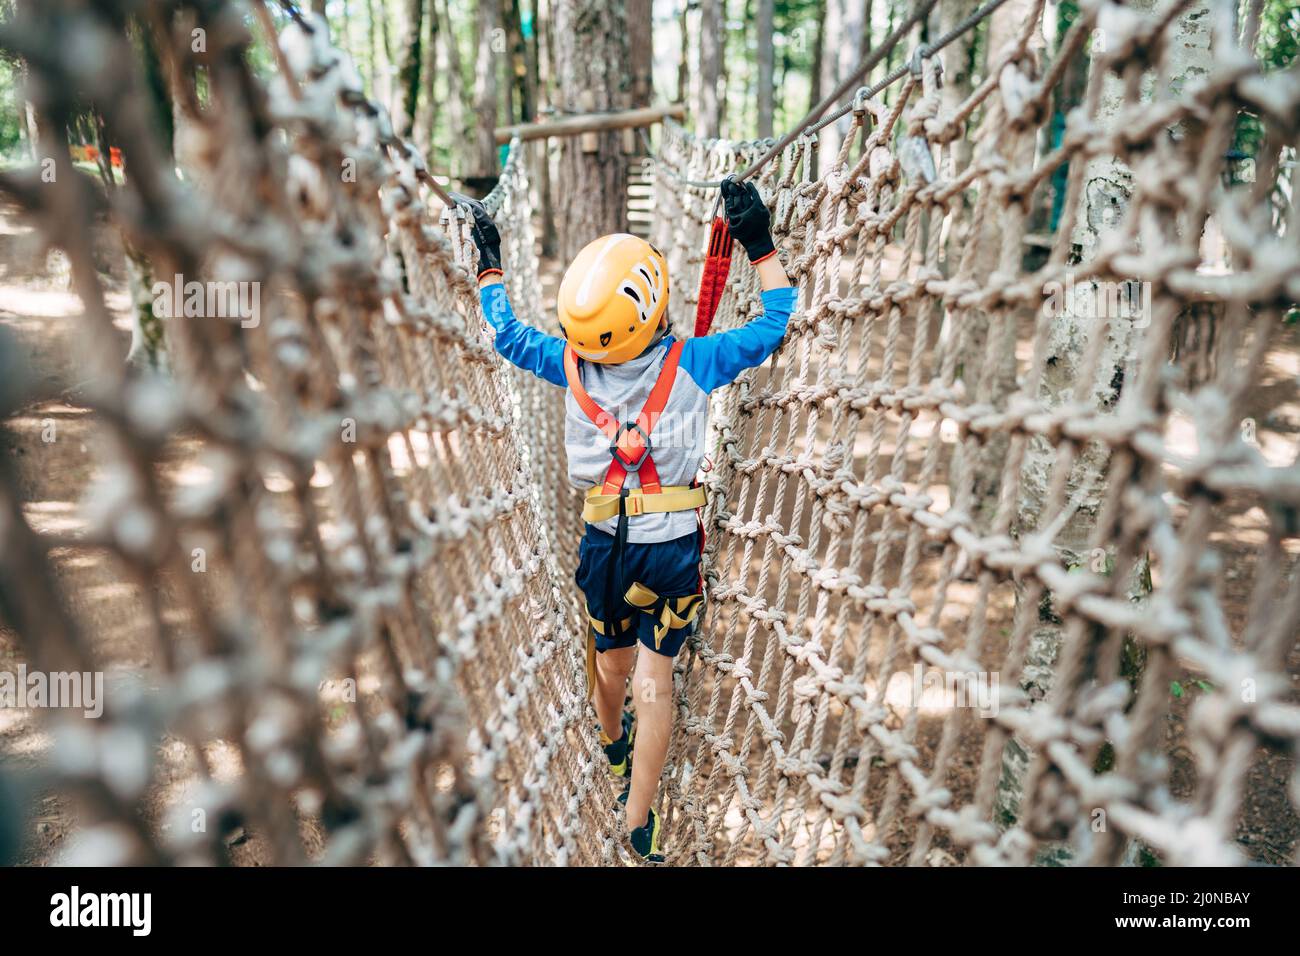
(939, 472)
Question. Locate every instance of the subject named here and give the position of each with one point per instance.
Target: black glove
(486, 237)
(748, 220)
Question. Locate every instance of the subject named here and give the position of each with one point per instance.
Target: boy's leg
(612, 664)
(612, 668)
(652, 696)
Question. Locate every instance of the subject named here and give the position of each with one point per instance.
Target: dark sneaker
(619, 752)
(645, 839)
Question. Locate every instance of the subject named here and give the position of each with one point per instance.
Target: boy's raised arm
(716, 360)
(530, 349)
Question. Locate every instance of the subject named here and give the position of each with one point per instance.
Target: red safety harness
(629, 443)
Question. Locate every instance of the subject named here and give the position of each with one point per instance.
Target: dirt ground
(37, 307)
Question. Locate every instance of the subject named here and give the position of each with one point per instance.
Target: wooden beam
(591, 123)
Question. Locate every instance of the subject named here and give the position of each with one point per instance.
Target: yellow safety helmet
(612, 298)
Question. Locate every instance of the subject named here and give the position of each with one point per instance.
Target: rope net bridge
(944, 470)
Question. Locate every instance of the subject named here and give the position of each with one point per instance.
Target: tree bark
(684, 61)
(844, 22)
(708, 107)
(372, 35)
(590, 65)
(1049, 203)
(148, 339)
(893, 50)
(456, 131)
(426, 122)
(387, 36)
(766, 67)
(30, 128)
(543, 58)
(640, 41)
(519, 64)
(485, 87)
(532, 32)
(957, 70)
(815, 79)
(408, 75)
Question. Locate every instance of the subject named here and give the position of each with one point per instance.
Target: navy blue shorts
(671, 569)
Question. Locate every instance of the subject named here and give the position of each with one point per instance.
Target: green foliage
(260, 56)
(1276, 46)
(1177, 688)
(1132, 660)
(794, 41)
(794, 33)
(1279, 33)
(11, 108)
(1105, 761)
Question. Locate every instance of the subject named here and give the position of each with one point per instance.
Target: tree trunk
(640, 42)
(957, 70)
(1049, 203)
(727, 72)
(889, 28)
(456, 131)
(148, 341)
(590, 65)
(531, 29)
(766, 68)
(30, 129)
(684, 62)
(408, 75)
(504, 45)
(426, 122)
(815, 78)
(843, 23)
(543, 59)
(155, 76)
(781, 79)
(486, 108)
(708, 106)
(519, 63)
(372, 36)
(386, 35)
